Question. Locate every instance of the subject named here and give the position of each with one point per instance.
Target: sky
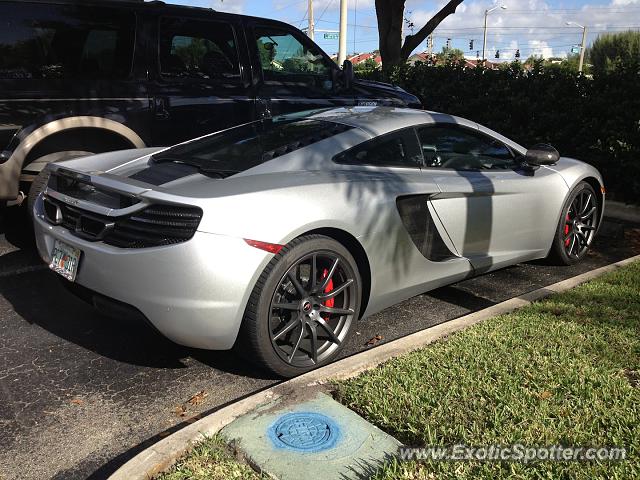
(535, 27)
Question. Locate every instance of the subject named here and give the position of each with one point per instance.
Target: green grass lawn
(210, 460)
(560, 371)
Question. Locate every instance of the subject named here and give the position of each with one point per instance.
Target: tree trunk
(390, 14)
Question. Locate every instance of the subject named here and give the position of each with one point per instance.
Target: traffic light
(448, 43)
(477, 53)
(518, 53)
(497, 53)
(470, 44)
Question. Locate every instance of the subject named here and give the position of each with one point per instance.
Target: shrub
(596, 120)
(613, 51)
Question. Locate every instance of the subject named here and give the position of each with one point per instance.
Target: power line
(572, 10)
(282, 7)
(324, 11)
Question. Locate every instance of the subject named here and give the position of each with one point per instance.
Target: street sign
(575, 49)
(331, 36)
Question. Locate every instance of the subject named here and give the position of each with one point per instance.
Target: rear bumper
(194, 293)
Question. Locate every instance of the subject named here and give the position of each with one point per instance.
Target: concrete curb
(163, 454)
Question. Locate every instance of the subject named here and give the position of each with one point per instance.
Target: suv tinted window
(460, 148)
(197, 49)
(396, 149)
(65, 41)
(284, 57)
(246, 146)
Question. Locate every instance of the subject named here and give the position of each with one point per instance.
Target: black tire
(264, 321)
(575, 232)
(37, 186)
(40, 182)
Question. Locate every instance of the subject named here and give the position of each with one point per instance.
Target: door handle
(160, 108)
(263, 108)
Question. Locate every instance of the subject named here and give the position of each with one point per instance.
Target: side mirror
(542, 154)
(347, 74)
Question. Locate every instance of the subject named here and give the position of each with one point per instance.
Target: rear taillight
(266, 246)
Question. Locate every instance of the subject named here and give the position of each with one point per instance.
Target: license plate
(64, 260)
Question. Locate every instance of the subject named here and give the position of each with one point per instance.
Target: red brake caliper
(329, 303)
(566, 230)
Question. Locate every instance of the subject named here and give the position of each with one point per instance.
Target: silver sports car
(278, 235)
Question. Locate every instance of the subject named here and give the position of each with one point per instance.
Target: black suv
(95, 76)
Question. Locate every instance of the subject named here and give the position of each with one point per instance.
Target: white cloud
(534, 26)
(540, 48)
(625, 2)
(230, 6)
(320, 6)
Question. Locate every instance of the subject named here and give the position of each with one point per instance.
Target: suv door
(494, 212)
(292, 72)
(69, 60)
(200, 85)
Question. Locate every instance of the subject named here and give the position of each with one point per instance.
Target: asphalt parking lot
(80, 393)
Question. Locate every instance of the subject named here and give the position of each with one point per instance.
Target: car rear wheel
(577, 227)
(303, 307)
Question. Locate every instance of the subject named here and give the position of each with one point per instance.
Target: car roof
(380, 120)
(156, 5)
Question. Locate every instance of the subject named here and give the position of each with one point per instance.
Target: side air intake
(421, 228)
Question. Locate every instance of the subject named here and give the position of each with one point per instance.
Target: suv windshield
(243, 147)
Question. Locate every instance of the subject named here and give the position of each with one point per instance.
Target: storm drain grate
(304, 432)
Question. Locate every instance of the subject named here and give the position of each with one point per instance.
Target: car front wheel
(303, 307)
(577, 227)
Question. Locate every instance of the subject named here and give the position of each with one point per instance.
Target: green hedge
(596, 120)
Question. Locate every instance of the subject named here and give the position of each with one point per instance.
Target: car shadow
(16, 227)
(39, 298)
(457, 296)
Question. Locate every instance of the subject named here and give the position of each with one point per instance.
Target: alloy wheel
(312, 308)
(580, 224)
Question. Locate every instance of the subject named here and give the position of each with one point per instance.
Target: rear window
(396, 149)
(65, 42)
(247, 146)
(197, 49)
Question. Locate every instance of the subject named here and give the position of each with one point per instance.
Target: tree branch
(412, 41)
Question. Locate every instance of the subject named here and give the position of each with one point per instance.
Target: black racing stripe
(161, 173)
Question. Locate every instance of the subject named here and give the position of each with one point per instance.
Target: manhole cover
(304, 432)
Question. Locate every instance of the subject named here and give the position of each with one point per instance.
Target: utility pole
(342, 49)
(484, 41)
(311, 29)
(583, 46)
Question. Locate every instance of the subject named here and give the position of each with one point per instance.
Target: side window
(396, 149)
(283, 56)
(197, 49)
(460, 148)
(451, 146)
(65, 41)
